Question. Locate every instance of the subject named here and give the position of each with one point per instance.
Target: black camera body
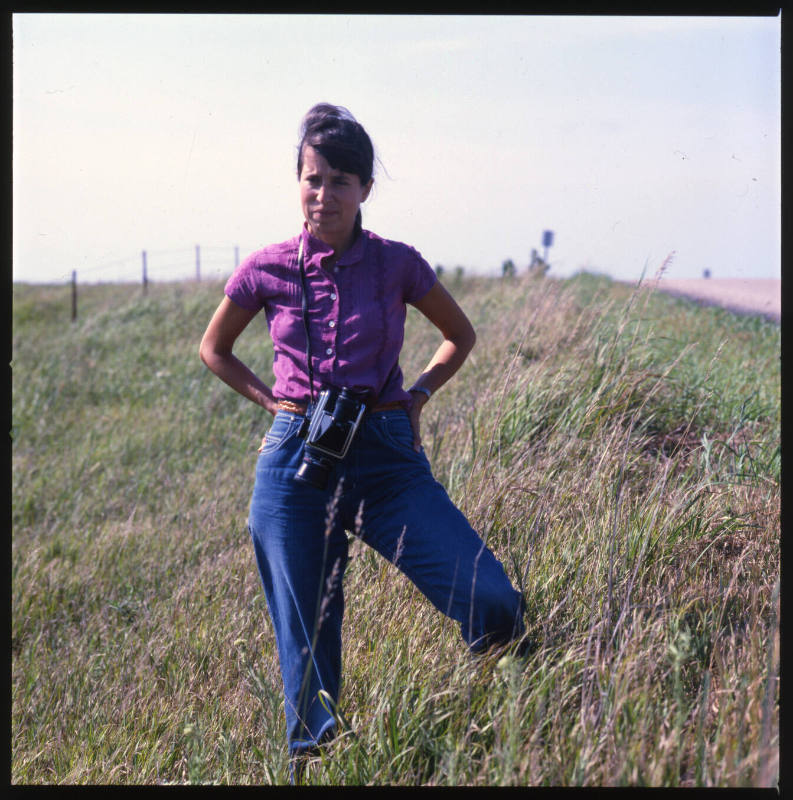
(329, 429)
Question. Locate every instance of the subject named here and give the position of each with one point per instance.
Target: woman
(355, 286)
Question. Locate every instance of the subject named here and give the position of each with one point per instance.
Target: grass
(618, 448)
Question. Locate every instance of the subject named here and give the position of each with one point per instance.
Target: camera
(328, 430)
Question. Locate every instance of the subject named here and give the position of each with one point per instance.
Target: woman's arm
(440, 308)
(227, 323)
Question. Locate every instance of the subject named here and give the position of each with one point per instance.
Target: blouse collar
(316, 249)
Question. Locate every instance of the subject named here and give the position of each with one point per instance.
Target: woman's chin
(329, 223)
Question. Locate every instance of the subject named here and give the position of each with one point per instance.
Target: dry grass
(619, 450)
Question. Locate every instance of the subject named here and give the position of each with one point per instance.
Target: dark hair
(339, 138)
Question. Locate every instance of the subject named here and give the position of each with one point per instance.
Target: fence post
(145, 276)
(197, 262)
(74, 295)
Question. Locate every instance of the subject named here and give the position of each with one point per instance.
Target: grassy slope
(618, 449)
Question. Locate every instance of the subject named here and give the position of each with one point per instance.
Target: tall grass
(619, 449)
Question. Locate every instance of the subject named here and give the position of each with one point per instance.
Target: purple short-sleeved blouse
(356, 312)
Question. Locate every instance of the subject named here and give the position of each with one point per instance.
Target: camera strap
(304, 306)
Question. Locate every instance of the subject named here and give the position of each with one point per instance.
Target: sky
(631, 138)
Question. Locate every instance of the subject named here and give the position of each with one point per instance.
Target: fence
(168, 265)
(204, 262)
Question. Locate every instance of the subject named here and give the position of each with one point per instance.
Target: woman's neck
(339, 246)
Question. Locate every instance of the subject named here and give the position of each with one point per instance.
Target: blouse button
(332, 324)
(332, 295)
(329, 351)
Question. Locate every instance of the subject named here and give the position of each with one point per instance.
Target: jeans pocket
(398, 431)
(284, 427)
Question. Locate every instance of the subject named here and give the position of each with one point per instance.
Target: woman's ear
(366, 189)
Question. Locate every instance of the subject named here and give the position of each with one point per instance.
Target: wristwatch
(423, 389)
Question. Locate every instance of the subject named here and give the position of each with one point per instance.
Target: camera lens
(314, 470)
(346, 406)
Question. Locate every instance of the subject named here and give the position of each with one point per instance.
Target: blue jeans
(300, 543)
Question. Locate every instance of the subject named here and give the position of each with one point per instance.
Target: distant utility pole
(198, 262)
(145, 276)
(236, 256)
(74, 295)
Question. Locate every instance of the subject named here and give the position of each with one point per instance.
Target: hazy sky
(629, 137)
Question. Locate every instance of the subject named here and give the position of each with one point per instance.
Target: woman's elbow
(468, 340)
(206, 352)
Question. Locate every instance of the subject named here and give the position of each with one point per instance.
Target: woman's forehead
(314, 161)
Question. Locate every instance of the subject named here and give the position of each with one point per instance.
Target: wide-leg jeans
(383, 491)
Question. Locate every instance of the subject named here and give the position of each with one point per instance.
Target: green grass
(618, 448)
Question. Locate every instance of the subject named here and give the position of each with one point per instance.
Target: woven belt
(294, 408)
(300, 408)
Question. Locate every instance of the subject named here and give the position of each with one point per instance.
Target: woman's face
(330, 199)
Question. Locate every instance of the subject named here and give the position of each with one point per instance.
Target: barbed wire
(183, 263)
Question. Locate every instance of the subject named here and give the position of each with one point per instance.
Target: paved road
(744, 295)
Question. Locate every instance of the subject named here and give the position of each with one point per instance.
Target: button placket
(333, 321)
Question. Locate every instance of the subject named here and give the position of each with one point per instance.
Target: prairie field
(618, 448)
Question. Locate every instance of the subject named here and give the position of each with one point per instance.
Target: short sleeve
(244, 285)
(420, 277)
